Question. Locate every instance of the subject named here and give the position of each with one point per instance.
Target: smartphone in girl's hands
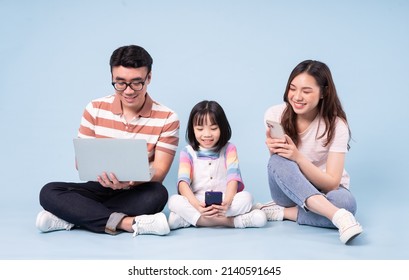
(213, 198)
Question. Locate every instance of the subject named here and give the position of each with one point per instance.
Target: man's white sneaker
(273, 211)
(46, 222)
(151, 224)
(347, 225)
(176, 221)
(254, 218)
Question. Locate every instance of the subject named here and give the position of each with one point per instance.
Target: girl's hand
(205, 211)
(285, 148)
(112, 183)
(222, 209)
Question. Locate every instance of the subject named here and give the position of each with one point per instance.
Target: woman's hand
(283, 147)
(273, 143)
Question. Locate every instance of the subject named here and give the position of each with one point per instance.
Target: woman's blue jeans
(289, 187)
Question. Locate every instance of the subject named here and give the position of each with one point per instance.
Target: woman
(307, 179)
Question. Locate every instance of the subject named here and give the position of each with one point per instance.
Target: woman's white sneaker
(273, 211)
(347, 225)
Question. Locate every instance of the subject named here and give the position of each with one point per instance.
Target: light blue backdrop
(54, 58)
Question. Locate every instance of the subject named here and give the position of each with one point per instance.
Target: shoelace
(183, 223)
(58, 223)
(273, 212)
(346, 221)
(247, 220)
(143, 226)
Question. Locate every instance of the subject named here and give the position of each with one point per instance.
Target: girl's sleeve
(185, 172)
(232, 165)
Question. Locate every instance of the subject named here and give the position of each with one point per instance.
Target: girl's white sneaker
(254, 218)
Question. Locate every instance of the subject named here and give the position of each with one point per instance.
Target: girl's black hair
(216, 114)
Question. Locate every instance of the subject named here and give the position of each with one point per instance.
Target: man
(107, 205)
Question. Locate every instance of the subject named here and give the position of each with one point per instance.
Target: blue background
(54, 58)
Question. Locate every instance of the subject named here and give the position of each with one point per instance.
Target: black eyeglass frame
(140, 84)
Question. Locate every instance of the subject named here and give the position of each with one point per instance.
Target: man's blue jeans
(289, 187)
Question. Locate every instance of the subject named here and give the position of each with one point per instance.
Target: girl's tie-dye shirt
(228, 171)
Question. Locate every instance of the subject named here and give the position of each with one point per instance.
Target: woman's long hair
(329, 106)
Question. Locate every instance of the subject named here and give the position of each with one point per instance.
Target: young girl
(210, 163)
(307, 179)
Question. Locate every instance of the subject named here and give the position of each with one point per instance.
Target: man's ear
(148, 79)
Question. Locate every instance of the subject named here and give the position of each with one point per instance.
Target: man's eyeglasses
(135, 85)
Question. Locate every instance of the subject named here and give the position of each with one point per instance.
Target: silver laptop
(126, 158)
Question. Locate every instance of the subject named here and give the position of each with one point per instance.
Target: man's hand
(112, 182)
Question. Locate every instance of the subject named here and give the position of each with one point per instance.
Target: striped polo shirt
(157, 124)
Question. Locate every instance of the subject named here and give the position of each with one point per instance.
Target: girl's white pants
(241, 204)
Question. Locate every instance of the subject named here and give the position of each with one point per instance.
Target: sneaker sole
(350, 234)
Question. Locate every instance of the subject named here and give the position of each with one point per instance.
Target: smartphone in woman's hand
(276, 130)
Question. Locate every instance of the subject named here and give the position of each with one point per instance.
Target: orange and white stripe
(157, 124)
